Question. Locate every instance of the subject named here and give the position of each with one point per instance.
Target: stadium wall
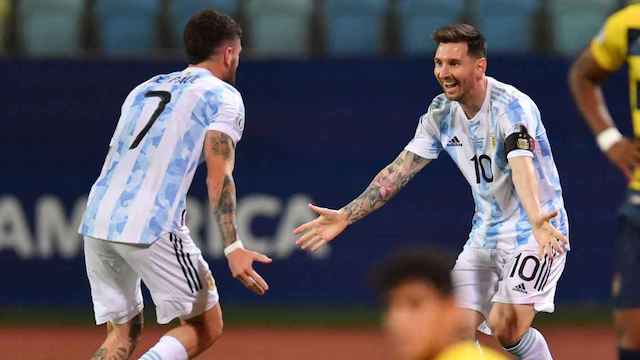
(315, 131)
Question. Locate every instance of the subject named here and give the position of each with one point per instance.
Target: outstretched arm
(385, 185)
(549, 239)
(330, 223)
(219, 152)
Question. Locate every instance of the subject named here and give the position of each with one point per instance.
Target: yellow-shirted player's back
(469, 351)
(617, 43)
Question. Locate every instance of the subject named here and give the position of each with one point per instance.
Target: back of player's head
(429, 265)
(206, 31)
(466, 33)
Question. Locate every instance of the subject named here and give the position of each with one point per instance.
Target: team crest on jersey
(240, 122)
(492, 141)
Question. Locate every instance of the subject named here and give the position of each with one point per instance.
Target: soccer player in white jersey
(134, 226)
(515, 254)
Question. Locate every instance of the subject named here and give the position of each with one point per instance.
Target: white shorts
(172, 268)
(482, 277)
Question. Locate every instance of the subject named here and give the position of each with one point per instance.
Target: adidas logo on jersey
(520, 288)
(454, 141)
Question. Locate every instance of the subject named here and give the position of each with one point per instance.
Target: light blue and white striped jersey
(477, 146)
(154, 152)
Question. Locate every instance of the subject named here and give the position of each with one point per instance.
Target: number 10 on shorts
(528, 268)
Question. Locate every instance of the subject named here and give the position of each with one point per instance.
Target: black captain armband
(520, 140)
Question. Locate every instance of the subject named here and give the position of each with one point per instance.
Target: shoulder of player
(621, 20)
(220, 90)
(504, 97)
(440, 107)
(628, 15)
(468, 350)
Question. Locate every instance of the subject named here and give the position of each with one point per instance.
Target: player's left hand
(241, 266)
(551, 242)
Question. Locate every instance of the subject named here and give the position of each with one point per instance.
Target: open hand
(551, 242)
(241, 265)
(625, 155)
(315, 233)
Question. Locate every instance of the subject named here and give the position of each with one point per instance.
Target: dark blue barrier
(316, 131)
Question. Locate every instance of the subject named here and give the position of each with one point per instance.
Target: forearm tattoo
(225, 212)
(385, 185)
(224, 205)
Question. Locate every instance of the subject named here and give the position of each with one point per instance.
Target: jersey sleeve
(228, 116)
(426, 141)
(609, 47)
(518, 116)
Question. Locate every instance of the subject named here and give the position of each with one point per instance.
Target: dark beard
(230, 79)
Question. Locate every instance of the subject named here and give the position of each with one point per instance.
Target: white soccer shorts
(172, 268)
(482, 277)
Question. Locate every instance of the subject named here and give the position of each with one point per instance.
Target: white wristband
(234, 246)
(607, 138)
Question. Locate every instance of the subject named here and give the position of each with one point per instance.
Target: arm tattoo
(225, 211)
(221, 144)
(224, 203)
(385, 185)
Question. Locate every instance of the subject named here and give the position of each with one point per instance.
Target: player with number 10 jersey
(477, 146)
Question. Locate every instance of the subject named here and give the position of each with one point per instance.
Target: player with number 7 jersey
(154, 152)
(135, 225)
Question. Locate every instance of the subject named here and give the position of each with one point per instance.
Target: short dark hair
(205, 31)
(430, 265)
(454, 33)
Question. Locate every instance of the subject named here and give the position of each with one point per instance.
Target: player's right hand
(625, 155)
(315, 233)
(241, 266)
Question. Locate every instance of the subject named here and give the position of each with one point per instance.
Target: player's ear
(228, 55)
(481, 64)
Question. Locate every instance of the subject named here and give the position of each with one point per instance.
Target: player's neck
(214, 68)
(472, 103)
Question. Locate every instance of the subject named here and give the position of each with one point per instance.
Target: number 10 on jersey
(483, 168)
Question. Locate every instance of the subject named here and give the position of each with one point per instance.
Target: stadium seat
(5, 8)
(279, 28)
(127, 27)
(51, 27)
(355, 27)
(419, 18)
(509, 26)
(181, 10)
(576, 22)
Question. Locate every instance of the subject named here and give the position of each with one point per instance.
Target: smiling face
(457, 72)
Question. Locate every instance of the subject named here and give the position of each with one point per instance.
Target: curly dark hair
(205, 31)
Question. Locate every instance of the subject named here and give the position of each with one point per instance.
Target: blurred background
(333, 90)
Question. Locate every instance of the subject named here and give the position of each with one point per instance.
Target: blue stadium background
(333, 90)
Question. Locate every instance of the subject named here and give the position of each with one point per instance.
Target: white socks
(168, 348)
(532, 346)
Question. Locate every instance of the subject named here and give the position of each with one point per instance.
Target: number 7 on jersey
(165, 97)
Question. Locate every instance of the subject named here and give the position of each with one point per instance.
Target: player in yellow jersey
(617, 43)
(422, 319)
